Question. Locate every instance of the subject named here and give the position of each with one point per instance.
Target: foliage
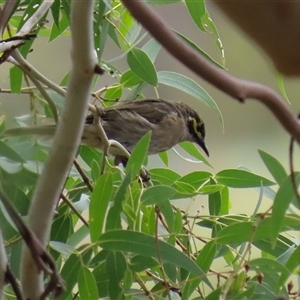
(135, 243)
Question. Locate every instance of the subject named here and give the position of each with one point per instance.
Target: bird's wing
(31, 130)
(153, 110)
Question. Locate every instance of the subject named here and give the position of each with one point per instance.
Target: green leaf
(283, 245)
(89, 154)
(214, 201)
(125, 24)
(113, 92)
(164, 157)
(143, 244)
(225, 202)
(57, 31)
(113, 219)
(61, 228)
(197, 11)
(196, 179)
(291, 265)
(100, 199)
(212, 28)
(204, 261)
(16, 76)
(87, 284)
(271, 269)
(95, 170)
(129, 29)
(142, 66)
(274, 166)
(152, 48)
(129, 79)
(184, 189)
(70, 272)
(115, 267)
(55, 10)
(101, 35)
(62, 248)
(283, 199)
(140, 263)
(281, 86)
(138, 155)
(67, 8)
(2, 124)
(200, 51)
(168, 213)
(164, 176)
(215, 294)
(78, 236)
(242, 231)
(236, 233)
(241, 179)
(9, 166)
(210, 189)
(190, 87)
(194, 151)
(8, 152)
(157, 194)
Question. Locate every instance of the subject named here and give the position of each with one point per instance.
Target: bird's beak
(202, 145)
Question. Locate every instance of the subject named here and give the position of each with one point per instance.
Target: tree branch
(237, 88)
(66, 141)
(43, 261)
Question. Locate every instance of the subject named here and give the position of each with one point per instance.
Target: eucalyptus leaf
(284, 197)
(274, 166)
(157, 194)
(241, 179)
(100, 199)
(190, 87)
(142, 66)
(143, 244)
(87, 284)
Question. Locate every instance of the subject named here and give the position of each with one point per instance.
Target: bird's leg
(103, 137)
(124, 154)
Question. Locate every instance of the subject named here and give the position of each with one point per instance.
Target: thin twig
(85, 179)
(164, 277)
(143, 286)
(9, 277)
(39, 255)
(76, 212)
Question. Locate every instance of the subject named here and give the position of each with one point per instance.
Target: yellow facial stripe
(195, 127)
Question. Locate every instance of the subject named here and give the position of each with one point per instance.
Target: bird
(127, 122)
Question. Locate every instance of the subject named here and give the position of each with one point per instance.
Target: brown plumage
(128, 121)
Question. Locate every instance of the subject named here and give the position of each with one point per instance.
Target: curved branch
(235, 87)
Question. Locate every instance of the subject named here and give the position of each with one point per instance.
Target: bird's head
(196, 127)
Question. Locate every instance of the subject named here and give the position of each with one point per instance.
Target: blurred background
(248, 127)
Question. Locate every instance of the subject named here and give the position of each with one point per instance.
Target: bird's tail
(31, 130)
